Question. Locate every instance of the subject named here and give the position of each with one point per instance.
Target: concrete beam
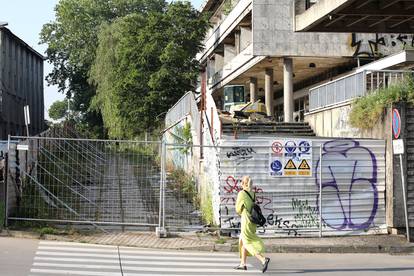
(317, 13)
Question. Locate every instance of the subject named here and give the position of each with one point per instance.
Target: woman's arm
(240, 203)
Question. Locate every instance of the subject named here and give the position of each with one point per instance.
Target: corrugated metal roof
(6, 30)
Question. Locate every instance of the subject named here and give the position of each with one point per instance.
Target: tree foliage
(123, 61)
(72, 41)
(58, 110)
(144, 63)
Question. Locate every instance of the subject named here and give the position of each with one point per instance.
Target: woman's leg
(261, 258)
(243, 253)
(265, 261)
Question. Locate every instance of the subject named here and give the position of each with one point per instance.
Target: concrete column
(288, 103)
(253, 90)
(269, 91)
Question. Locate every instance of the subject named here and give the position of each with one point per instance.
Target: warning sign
(290, 158)
(290, 165)
(304, 165)
(277, 147)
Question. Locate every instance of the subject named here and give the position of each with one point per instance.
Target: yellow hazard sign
(290, 165)
(304, 165)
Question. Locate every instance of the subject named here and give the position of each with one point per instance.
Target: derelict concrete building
(21, 83)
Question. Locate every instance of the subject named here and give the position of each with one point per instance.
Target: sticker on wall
(290, 165)
(276, 168)
(290, 158)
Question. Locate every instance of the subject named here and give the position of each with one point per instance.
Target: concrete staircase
(282, 129)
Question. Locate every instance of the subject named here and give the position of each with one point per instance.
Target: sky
(26, 18)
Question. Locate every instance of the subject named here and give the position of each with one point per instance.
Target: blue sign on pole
(396, 123)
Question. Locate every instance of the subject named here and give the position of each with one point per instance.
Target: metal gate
(100, 182)
(84, 181)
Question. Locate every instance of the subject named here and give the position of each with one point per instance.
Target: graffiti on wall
(347, 187)
(350, 197)
(381, 44)
(240, 154)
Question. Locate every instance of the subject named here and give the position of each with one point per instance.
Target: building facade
(253, 43)
(21, 83)
(254, 52)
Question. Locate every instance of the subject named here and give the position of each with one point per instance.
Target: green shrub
(207, 209)
(48, 231)
(183, 185)
(368, 110)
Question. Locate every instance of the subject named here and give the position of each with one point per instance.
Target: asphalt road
(22, 257)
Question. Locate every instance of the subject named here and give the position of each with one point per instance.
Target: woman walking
(249, 243)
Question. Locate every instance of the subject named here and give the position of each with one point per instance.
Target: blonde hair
(246, 183)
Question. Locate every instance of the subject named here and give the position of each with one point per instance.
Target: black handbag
(255, 214)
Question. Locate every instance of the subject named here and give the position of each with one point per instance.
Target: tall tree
(72, 41)
(144, 64)
(58, 110)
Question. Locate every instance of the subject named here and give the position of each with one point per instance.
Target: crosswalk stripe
(155, 262)
(92, 273)
(184, 270)
(55, 258)
(74, 272)
(58, 243)
(129, 256)
(131, 251)
(82, 266)
(106, 250)
(140, 268)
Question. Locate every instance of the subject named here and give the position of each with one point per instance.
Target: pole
(6, 184)
(164, 181)
(405, 199)
(161, 181)
(6, 196)
(320, 191)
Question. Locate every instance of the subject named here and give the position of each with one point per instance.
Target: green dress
(253, 244)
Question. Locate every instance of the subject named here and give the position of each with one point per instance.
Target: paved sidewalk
(392, 244)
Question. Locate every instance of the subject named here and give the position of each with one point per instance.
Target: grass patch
(368, 110)
(207, 209)
(220, 240)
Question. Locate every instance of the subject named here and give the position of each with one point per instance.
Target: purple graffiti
(349, 181)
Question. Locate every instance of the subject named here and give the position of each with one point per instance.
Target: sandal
(241, 267)
(266, 263)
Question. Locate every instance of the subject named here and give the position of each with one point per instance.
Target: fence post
(160, 230)
(6, 184)
(320, 191)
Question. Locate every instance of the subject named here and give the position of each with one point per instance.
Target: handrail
(351, 86)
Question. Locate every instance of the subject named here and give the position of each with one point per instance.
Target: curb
(231, 247)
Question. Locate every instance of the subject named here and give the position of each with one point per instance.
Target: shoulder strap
(250, 195)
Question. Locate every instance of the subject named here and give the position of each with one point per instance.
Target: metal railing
(352, 86)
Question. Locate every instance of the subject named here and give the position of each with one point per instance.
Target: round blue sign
(304, 147)
(290, 146)
(396, 123)
(276, 166)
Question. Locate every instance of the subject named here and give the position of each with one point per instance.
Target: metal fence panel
(79, 180)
